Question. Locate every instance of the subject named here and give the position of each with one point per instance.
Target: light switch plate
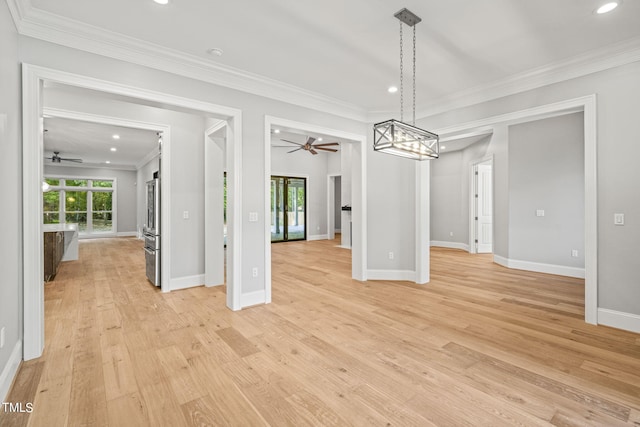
(540, 212)
(618, 219)
(185, 215)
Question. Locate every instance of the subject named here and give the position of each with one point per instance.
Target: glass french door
(288, 209)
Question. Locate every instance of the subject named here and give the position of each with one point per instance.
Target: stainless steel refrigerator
(151, 231)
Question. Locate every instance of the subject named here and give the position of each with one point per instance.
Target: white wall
(618, 100)
(546, 172)
(11, 213)
(314, 168)
(126, 205)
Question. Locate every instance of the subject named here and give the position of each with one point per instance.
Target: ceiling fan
(311, 147)
(57, 159)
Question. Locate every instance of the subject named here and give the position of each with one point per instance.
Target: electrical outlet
(540, 212)
(618, 219)
(254, 272)
(390, 255)
(451, 233)
(253, 216)
(2, 337)
(574, 253)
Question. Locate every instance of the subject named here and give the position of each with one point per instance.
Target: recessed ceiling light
(276, 131)
(216, 51)
(392, 89)
(107, 162)
(114, 149)
(116, 136)
(442, 147)
(607, 7)
(161, 1)
(320, 139)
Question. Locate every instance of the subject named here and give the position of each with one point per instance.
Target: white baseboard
(451, 245)
(318, 237)
(253, 298)
(10, 370)
(618, 319)
(187, 282)
(559, 270)
(404, 275)
(127, 234)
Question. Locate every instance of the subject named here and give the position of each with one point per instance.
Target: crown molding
(67, 32)
(53, 28)
(611, 56)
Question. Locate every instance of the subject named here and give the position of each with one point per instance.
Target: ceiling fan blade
(310, 140)
(293, 142)
(72, 160)
(325, 149)
(314, 152)
(294, 150)
(325, 144)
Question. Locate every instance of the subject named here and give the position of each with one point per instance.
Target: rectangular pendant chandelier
(399, 138)
(404, 140)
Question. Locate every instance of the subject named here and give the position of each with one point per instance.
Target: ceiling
(346, 53)
(92, 142)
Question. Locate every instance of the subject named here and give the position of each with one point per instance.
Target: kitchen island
(60, 244)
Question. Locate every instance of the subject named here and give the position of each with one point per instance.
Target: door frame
(588, 105)
(473, 201)
(214, 264)
(33, 78)
(331, 202)
(359, 193)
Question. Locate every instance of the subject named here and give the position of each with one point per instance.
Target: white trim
(607, 57)
(127, 234)
(52, 28)
(254, 298)
(619, 319)
(588, 105)
(213, 205)
(423, 222)
(450, 245)
(186, 282)
(359, 197)
(560, 270)
(318, 237)
(10, 370)
(392, 275)
(32, 80)
(331, 202)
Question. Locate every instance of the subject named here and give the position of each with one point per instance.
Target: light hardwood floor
(479, 345)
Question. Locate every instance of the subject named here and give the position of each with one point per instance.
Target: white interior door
(484, 209)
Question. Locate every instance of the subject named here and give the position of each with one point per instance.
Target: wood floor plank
(479, 345)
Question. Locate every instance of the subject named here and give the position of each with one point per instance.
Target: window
(86, 202)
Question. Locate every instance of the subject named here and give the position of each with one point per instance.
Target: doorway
(288, 209)
(32, 84)
(482, 207)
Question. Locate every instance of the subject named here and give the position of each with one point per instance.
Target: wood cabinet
(53, 251)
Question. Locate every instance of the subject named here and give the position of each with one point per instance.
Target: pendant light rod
(397, 137)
